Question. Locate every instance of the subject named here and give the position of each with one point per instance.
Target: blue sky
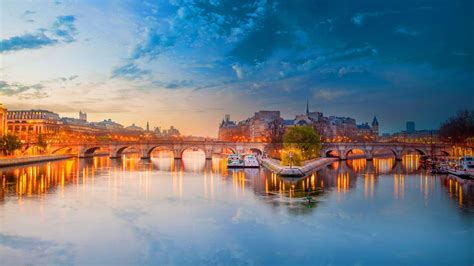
(187, 63)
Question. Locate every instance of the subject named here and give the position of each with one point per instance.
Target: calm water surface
(193, 211)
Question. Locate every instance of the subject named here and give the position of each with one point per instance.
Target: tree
(303, 138)
(276, 131)
(458, 128)
(41, 142)
(292, 157)
(10, 143)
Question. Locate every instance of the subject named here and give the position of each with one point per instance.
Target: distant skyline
(187, 63)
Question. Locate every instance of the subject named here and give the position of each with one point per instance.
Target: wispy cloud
(174, 84)
(129, 71)
(406, 31)
(329, 94)
(14, 89)
(359, 18)
(26, 41)
(62, 30)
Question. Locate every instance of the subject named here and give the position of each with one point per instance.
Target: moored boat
(250, 161)
(235, 161)
(441, 168)
(464, 167)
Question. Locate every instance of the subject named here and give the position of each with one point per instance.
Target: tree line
(458, 129)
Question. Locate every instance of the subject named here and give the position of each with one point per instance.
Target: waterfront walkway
(296, 171)
(12, 161)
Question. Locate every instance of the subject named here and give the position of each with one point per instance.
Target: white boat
(251, 161)
(234, 161)
(441, 168)
(464, 167)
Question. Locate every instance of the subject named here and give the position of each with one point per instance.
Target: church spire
(307, 107)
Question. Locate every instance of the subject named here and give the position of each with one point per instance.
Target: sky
(188, 62)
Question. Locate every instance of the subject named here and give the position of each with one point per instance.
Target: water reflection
(340, 177)
(154, 212)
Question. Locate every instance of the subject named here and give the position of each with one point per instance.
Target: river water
(193, 212)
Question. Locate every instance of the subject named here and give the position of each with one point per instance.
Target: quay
(5, 162)
(296, 171)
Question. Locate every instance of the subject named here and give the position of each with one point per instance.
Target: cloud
(26, 41)
(22, 91)
(28, 12)
(359, 18)
(329, 94)
(191, 25)
(175, 84)
(70, 78)
(62, 30)
(239, 72)
(27, 16)
(405, 31)
(129, 71)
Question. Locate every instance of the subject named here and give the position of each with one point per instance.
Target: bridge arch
(256, 151)
(334, 153)
(444, 153)
(380, 151)
(352, 149)
(66, 149)
(148, 150)
(223, 149)
(194, 148)
(409, 150)
(88, 151)
(118, 152)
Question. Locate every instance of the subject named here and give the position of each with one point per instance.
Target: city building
(269, 126)
(228, 129)
(82, 116)
(171, 132)
(417, 136)
(79, 125)
(3, 120)
(135, 128)
(263, 126)
(157, 131)
(28, 124)
(107, 124)
(410, 125)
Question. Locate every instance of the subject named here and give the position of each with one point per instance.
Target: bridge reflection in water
(382, 175)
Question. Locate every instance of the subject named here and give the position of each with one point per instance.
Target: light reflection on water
(370, 202)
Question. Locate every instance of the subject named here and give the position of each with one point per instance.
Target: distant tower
(227, 118)
(410, 127)
(307, 107)
(147, 126)
(82, 116)
(375, 126)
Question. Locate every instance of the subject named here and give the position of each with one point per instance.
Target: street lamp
(290, 154)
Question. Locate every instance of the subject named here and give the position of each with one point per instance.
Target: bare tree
(459, 128)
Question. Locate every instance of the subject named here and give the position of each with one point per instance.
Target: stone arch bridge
(371, 149)
(116, 149)
(339, 150)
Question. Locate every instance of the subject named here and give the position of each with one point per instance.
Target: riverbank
(296, 171)
(6, 162)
